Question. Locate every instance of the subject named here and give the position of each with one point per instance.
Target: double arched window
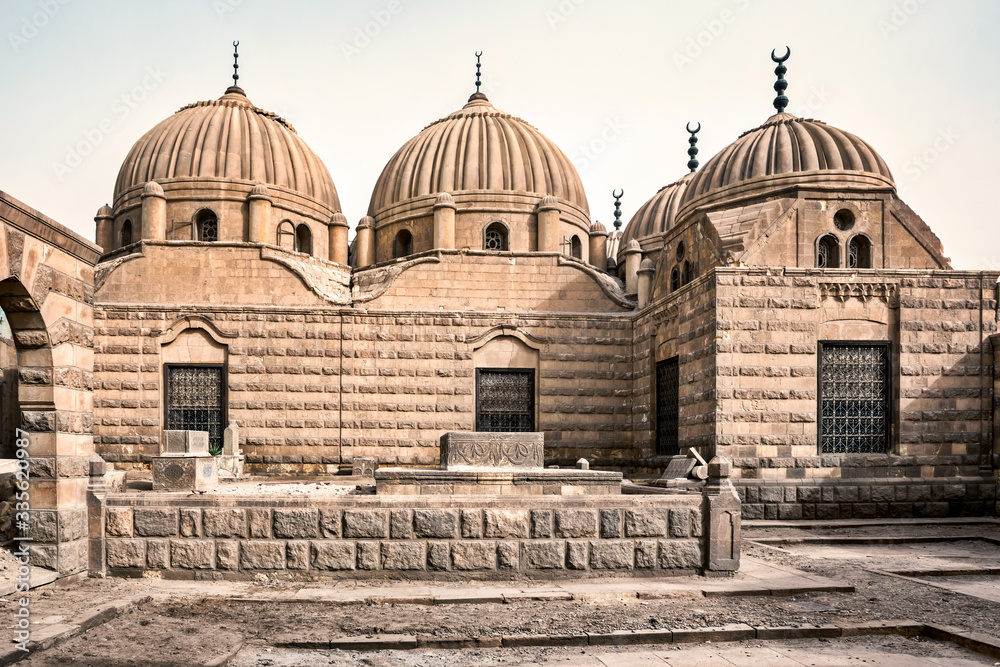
(402, 245)
(828, 252)
(859, 253)
(495, 237)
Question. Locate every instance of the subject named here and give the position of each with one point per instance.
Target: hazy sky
(611, 82)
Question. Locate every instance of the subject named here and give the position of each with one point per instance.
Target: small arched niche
(576, 247)
(495, 237)
(859, 253)
(402, 245)
(206, 225)
(286, 235)
(303, 239)
(125, 236)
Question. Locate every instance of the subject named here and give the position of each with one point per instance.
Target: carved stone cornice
(864, 292)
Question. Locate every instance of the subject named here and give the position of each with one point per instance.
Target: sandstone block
(576, 523)
(438, 555)
(541, 523)
(329, 522)
(644, 523)
(506, 523)
(227, 554)
(403, 555)
(435, 523)
(612, 554)
(190, 522)
(679, 554)
(366, 523)
(680, 523)
(155, 522)
(473, 555)
(367, 555)
(126, 553)
(296, 523)
(260, 555)
(329, 555)
(576, 555)
(118, 522)
(297, 555)
(472, 524)
(225, 522)
(157, 554)
(401, 524)
(192, 554)
(508, 556)
(544, 555)
(611, 524)
(645, 554)
(260, 522)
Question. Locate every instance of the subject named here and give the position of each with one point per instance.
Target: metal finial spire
(780, 102)
(478, 64)
(693, 149)
(236, 64)
(618, 194)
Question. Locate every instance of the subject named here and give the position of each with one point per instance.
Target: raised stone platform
(504, 464)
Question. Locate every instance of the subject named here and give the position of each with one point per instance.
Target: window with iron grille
(195, 401)
(505, 399)
(854, 397)
(667, 408)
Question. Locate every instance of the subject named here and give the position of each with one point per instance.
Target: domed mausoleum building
(781, 307)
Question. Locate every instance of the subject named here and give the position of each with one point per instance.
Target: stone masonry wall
(438, 537)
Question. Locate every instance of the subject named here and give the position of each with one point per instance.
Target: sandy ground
(188, 629)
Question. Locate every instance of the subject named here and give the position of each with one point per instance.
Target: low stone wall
(859, 498)
(440, 537)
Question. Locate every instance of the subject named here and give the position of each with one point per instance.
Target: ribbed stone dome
(478, 148)
(788, 151)
(656, 215)
(228, 138)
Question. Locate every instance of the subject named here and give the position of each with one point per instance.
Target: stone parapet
(433, 537)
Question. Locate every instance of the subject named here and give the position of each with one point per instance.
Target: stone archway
(46, 293)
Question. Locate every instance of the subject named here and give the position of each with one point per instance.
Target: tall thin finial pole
(693, 148)
(780, 102)
(236, 64)
(618, 194)
(479, 54)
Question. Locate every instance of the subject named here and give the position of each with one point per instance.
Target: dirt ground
(189, 629)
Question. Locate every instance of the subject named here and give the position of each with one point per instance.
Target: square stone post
(723, 516)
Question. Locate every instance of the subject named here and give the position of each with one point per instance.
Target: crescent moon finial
(236, 43)
(618, 194)
(236, 63)
(780, 102)
(693, 148)
(479, 54)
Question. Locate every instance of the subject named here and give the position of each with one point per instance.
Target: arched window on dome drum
(126, 233)
(402, 245)
(495, 237)
(687, 275)
(675, 279)
(828, 253)
(286, 235)
(859, 253)
(303, 239)
(207, 226)
(575, 247)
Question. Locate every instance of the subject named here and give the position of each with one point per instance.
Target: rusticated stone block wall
(433, 537)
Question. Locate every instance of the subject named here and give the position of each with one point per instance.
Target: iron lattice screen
(667, 409)
(194, 401)
(854, 398)
(505, 400)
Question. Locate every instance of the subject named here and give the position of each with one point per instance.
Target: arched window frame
(500, 229)
(675, 279)
(687, 273)
(126, 234)
(205, 222)
(860, 252)
(576, 247)
(286, 235)
(303, 239)
(827, 252)
(402, 244)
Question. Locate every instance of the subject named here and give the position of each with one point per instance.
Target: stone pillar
(105, 234)
(599, 246)
(444, 222)
(633, 257)
(723, 517)
(154, 212)
(365, 246)
(548, 224)
(338, 238)
(644, 282)
(260, 214)
(97, 493)
(995, 453)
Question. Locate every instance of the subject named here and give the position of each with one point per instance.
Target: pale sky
(609, 81)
